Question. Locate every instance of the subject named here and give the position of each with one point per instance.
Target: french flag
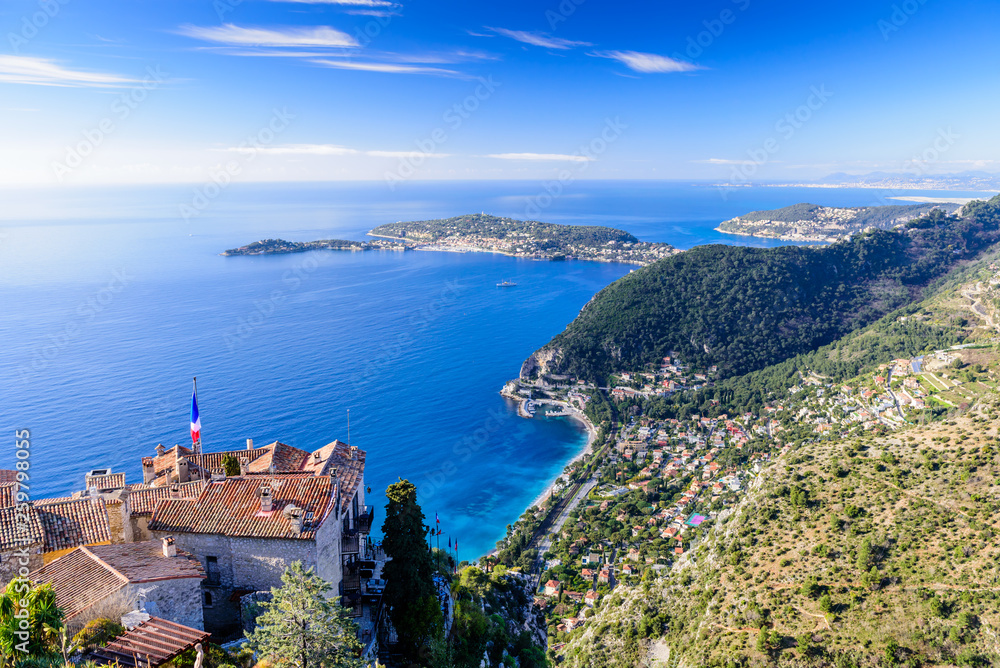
(195, 419)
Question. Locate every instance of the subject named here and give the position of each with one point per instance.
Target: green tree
(36, 606)
(302, 628)
(231, 465)
(410, 595)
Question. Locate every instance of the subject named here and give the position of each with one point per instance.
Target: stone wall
(10, 561)
(178, 600)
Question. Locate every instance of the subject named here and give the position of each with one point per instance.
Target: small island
(481, 232)
(826, 224)
(278, 246)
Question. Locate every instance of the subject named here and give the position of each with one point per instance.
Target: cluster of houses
(192, 543)
(671, 376)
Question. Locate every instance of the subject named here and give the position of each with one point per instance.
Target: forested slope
(743, 309)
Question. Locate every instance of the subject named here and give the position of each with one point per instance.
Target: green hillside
(743, 309)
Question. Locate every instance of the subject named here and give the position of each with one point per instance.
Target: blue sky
(93, 91)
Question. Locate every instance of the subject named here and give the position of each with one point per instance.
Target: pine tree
(231, 465)
(410, 594)
(302, 628)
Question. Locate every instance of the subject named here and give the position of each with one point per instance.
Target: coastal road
(544, 542)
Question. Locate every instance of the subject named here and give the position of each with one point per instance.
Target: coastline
(587, 449)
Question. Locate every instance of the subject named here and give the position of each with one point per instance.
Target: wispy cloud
(648, 63)
(539, 156)
(538, 39)
(47, 72)
(391, 68)
(332, 149)
(721, 161)
(233, 35)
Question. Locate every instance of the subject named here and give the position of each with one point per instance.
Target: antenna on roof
(348, 426)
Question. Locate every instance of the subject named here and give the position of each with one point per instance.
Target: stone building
(109, 580)
(247, 529)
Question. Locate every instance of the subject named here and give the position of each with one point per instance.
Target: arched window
(207, 595)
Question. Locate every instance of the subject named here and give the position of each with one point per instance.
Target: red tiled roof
(89, 574)
(349, 471)
(143, 501)
(8, 494)
(6, 475)
(79, 581)
(14, 532)
(232, 508)
(155, 642)
(69, 524)
(106, 482)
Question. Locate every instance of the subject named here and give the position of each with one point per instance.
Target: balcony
(350, 544)
(363, 522)
(351, 581)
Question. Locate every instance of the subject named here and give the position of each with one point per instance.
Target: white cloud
(538, 39)
(539, 156)
(392, 68)
(300, 149)
(46, 72)
(721, 161)
(233, 35)
(648, 63)
(331, 149)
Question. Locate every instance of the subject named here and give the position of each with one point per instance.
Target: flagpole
(197, 446)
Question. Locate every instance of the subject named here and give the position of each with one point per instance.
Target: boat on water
(506, 284)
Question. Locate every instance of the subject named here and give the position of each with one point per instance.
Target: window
(212, 570)
(207, 596)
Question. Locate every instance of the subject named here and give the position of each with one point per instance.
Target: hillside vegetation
(743, 309)
(862, 552)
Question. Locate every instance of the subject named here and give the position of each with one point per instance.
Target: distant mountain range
(968, 180)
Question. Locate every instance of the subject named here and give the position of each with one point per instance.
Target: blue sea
(112, 302)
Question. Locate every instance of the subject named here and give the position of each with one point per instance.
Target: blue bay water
(112, 302)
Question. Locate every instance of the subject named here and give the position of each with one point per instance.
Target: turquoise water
(112, 302)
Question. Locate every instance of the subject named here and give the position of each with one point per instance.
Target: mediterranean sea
(112, 301)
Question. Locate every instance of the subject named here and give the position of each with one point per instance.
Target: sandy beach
(587, 449)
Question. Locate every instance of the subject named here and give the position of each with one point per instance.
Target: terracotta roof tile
(8, 494)
(106, 482)
(143, 501)
(69, 524)
(232, 508)
(89, 574)
(6, 475)
(15, 532)
(79, 581)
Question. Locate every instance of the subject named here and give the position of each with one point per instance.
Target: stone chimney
(175, 490)
(249, 444)
(265, 499)
(317, 458)
(160, 449)
(183, 475)
(169, 548)
(148, 470)
(295, 519)
(244, 465)
(354, 453)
